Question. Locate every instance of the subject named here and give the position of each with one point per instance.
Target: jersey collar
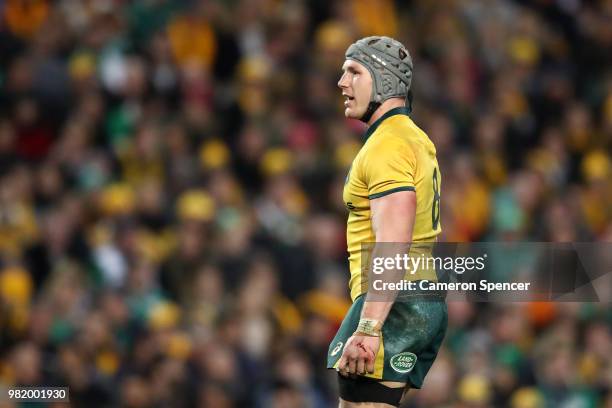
(401, 110)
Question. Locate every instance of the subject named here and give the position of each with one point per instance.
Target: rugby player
(386, 346)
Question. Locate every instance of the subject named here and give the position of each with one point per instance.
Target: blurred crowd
(171, 226)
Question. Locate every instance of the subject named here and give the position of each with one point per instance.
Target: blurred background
(171, 226)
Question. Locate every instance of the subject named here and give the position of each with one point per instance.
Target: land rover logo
(337, 348)
(403, 362)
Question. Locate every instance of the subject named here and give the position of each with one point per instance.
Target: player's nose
(342, 83)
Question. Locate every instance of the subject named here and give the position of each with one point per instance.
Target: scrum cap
(390, 66)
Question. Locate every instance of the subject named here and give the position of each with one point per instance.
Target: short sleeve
(389, 168)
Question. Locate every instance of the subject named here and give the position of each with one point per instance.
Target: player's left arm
(389, 172)
(392, 221)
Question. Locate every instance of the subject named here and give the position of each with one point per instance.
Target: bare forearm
(376, 310)
(392, 221)
(378, 303)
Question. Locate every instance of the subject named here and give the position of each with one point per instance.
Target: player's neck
(385, 107)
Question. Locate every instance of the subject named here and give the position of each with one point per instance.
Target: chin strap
(372, 106)
(409, 100)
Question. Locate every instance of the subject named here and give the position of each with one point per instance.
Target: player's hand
(359, 355)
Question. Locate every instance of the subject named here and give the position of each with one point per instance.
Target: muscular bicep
(393, 216)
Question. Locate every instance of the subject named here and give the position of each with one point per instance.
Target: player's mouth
(348, 99)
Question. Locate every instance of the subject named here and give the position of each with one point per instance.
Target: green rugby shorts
(411, 337)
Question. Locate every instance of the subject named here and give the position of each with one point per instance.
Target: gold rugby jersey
(396, 156)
